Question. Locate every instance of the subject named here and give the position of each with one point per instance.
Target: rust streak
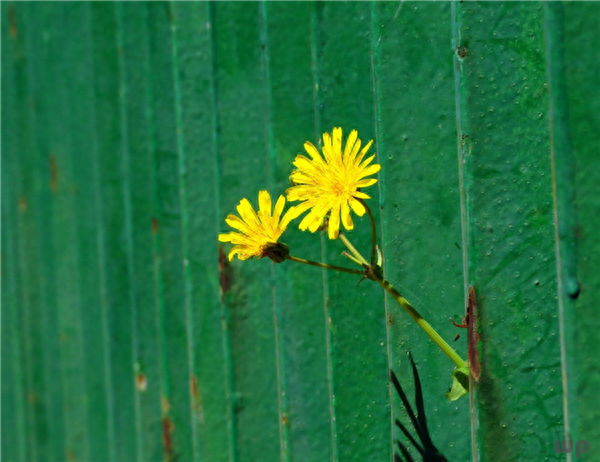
(53, 173)
(197, 399)
(224, 273)
(154, 225)
(12, 22)
(22, 204)
(473, 336)
(167, 429)
(470, 323)
(194, 385)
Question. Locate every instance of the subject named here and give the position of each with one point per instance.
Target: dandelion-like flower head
(331, 183)
(259, 232)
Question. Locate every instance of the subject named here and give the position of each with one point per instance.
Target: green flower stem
(373, 231)
(350, 257)
(353, 251)
(325, 265)
(374, 273)
(430, 331)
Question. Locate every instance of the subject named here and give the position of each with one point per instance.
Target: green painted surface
(581, 37)
(130, 131)
(138, 177)
(420, 202)
(510, 232)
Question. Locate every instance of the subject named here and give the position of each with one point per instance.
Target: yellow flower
(259, 232)
(331, 183)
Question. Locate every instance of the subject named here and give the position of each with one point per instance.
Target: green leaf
(460, 384)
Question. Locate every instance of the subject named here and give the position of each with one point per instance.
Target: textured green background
(129, 132)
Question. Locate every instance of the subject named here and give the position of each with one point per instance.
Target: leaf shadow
(426, 448)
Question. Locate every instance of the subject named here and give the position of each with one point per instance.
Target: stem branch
(376, 275)
(325, 265)
(430, 331)
(373, 231)
(353, 251)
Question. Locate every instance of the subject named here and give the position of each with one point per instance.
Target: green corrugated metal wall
(129, 132)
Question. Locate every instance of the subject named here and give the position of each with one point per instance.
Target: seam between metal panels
(463, 154)
(126, 185)
(100, 242)
(271, 159)
(11, 258)
(184, 222)
(314, 43)
(374, 45)
(23, 263)
(45, 211)
(156, 244)
(226, 344)
(563, 192)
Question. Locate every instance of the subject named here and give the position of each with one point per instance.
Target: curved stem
(325, 265)
(413, 313)
(353, 250)
(430, 331)
(373, 231)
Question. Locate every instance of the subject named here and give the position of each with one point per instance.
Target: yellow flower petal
(366, 183)
(279, 208)
(264, 202)
(371, 169)
(247, 212)
(334, 222)
(358, 208)
(312, 151)
(346, 217)
(362, 153)
(350, 143)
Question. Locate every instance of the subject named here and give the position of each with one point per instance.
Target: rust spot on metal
(22, 204)
(154, 225)
(141, 383)
(225, 273)
(165, 406)
(12, 22)
(53, 173)
(470, 323)
(194, 386)
(167, 429)
(196, 399)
